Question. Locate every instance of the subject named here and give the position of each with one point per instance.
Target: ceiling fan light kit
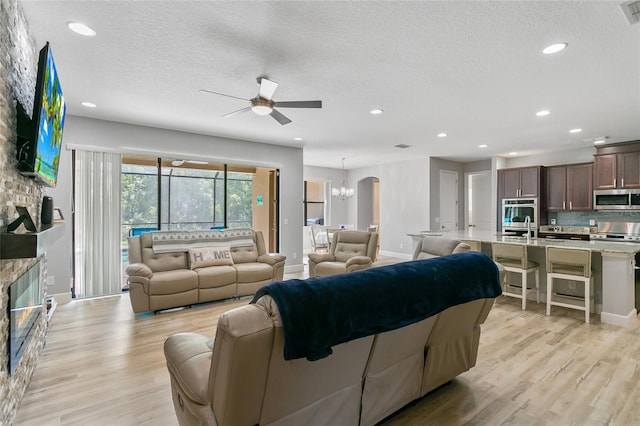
(263, 104)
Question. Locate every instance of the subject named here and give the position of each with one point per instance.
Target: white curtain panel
(97, 224)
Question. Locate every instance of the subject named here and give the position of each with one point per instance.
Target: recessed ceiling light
(554, 48)
(442, 135)
(482, 146)
(376, 111)
(297, 139)
(575, 130)
(513, 153)
(88, 104)
(81, 29)
(542, 113)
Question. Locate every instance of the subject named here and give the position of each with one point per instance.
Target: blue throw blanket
(318, 313)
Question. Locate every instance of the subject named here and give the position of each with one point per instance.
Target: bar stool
(513, 257)
(570, 264)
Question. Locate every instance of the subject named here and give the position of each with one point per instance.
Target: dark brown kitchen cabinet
(616, 171)
(569, 187)
(556, 187)
(519, 182)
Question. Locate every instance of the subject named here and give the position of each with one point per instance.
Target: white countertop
(492, 236)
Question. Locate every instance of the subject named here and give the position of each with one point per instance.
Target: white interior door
(448, 200)
(478, 197)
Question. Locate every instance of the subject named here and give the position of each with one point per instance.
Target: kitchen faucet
(527, 221)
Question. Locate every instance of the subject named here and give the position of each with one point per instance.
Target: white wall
(59, 271)
(404, 202)
(99, 135)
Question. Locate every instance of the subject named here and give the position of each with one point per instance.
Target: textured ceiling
(471, 69)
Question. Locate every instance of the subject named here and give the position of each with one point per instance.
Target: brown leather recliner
(350, 251)
(430, 247)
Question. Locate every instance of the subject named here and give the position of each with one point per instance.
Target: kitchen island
(613, 266)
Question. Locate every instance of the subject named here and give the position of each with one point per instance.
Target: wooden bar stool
(513, 257)
(570, 264)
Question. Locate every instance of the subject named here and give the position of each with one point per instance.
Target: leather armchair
(349, 251)
(430, 247)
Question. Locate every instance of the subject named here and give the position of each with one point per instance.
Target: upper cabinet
(519, 182)
(569, 187)
(617, 167)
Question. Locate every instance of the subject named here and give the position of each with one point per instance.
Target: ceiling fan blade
(299, 104)
(236, 112)
(222, 94)
(267, 88)
(280, 118)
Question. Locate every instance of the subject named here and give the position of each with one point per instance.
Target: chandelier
(343, 192)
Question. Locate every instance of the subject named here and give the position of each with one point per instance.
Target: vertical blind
(97, 224)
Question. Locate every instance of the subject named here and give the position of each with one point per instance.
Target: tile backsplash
(582, 218)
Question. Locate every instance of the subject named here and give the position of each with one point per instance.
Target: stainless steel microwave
(616, 199)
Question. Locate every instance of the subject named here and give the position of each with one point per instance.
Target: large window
(192, 196)
(139, 192)
(314, 203)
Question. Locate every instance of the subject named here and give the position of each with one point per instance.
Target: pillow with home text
(209, 256)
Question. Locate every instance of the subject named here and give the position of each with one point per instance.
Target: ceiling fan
(263, 104)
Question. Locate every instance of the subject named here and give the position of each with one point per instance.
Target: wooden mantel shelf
(31, 244)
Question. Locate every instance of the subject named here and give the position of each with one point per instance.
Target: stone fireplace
(18, 65)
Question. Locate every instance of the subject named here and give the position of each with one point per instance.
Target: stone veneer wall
(18, 65)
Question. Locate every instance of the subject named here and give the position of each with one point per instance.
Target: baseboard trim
(620, 320)
(404, 256)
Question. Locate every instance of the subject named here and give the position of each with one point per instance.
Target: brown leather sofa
(349, 251)
(241, 377)
(167, 280)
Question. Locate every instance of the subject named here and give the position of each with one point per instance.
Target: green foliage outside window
(191, 199)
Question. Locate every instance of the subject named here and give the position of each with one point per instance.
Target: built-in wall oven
(520, 215)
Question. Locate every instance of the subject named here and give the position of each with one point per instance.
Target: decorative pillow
(209, 256)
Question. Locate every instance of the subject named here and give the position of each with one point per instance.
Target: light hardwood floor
(103, 365)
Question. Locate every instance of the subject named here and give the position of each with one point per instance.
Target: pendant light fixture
(342, 193)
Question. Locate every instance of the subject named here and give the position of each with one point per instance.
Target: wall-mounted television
(40, 136)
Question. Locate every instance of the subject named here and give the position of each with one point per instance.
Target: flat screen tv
(40, 136)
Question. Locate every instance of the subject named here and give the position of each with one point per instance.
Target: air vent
(402, 146)
(631, 10)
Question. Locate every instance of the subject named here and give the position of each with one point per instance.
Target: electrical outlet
(572, 285)
(295, 256)
(401, 245)
(553, 221)
(592, 222)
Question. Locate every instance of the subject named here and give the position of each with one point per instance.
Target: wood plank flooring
(103, 365)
